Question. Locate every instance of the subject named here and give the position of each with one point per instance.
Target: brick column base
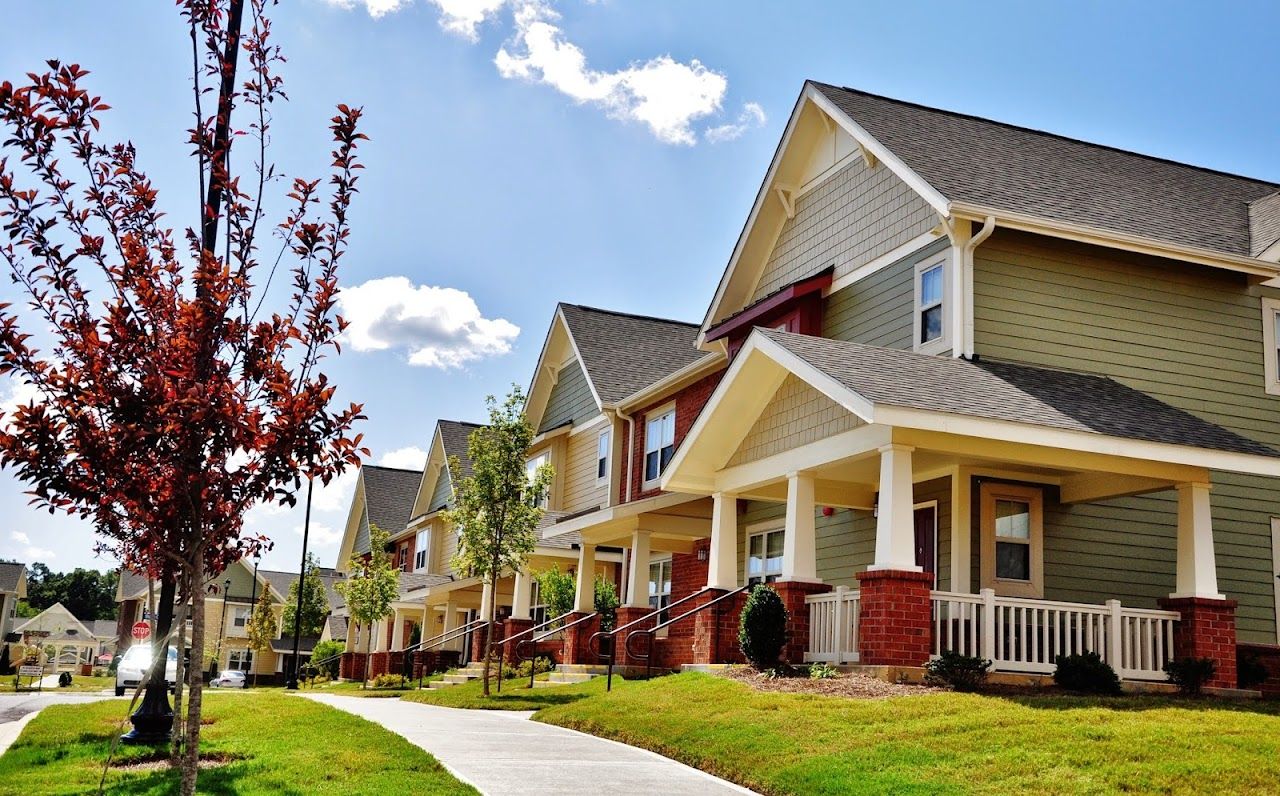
(377, 664)
(423, 663)
(478, 638)
(575, 640)
(1207, 630)
(351, 666)
(626, 615)
(894, 626)
(793, 594)
(715, 630)
(510, 628)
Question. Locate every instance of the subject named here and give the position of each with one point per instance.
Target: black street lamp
(153, 720)
(292, 682)
(222, 630)
(253, 607)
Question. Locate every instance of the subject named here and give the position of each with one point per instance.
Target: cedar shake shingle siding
(797, 415)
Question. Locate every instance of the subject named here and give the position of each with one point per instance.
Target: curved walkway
(503, 752)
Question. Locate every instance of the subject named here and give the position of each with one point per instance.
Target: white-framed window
(659, 442)
(764, 556)
(241, 659)
(537, 608)
(421, 546)
(602, 455)
(1271, 344)
(932, 315)
(660, 586)
(1013, 539)
(240, 615)
(531, 472)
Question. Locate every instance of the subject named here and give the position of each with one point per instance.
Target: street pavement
(17, 709)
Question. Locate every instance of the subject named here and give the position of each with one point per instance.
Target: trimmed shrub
(389, 681)
(1086, 674)
(822, 671)
(540, 664)
(1191, 674)
(1250, 670)
(762, 627)
(961, 672)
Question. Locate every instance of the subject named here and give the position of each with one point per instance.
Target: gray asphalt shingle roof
(10, 574)
(625, 353)
(282, 581)
(454, 435)
(1005, 391)
(389, 494)
(412, 584)
(1005, 167)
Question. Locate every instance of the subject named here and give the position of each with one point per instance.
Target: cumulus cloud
(29, 551)
(752, 116)
(17, 393)
(408, 458)
(464, 17)
(321, 535)
(376, 8)
(662, 93)
(439, 327)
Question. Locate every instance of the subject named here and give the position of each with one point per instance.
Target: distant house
(73, 643)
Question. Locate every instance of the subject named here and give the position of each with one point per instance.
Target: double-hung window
(240, 616)
(602, 456)
(660, 586)
(764, 557)
(931, 312)
(241, 660)
(531, 468)
(537, 608)
(421, 543)
(1271, 344)
(1013, 539)
(659, 443)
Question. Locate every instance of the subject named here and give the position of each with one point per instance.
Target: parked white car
(134, 664)
(230, 678)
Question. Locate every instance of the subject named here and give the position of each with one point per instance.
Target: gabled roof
(388, 495)
(12, 576)
(455, 435)
(992, 164)
(451, 439)
(281, 582)
(103, 628)
(59, 622)
(1014, 393)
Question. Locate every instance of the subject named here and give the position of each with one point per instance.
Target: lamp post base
(152, 721)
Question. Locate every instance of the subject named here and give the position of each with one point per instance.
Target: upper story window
(659, 442)
(764, 556)
(240, 616)
(602, 455)
(931, 313)
(531, 472)
(421, 542)
(1271, 344)
(402, 557)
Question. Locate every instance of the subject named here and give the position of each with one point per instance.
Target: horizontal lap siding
(847, 220)
(796, 415)
(570, 400)
(443, 491)
(581, 489)
(1187, 335)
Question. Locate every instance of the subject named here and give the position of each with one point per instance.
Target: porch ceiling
(673, 521)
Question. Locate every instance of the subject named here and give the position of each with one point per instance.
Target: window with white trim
(660, 586)
(531, 468)
(1013, 539)
(764, 557)
(602, 456)
(241, 660)
(240, 616)
(930, 325)
(659, 443)
(1271, 344)
(537, 608)
(421, 545)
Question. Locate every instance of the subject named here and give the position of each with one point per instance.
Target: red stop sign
(141, 630)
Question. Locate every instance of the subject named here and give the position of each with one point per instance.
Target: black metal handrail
(435, 641)
(593, 643)
(648, 633)
(526, 632)
(520, 656)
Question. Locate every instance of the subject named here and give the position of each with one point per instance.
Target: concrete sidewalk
(503, 752)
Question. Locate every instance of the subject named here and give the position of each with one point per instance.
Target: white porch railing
(833, 626)
(1019, 635)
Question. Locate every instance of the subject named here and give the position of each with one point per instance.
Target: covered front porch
(1025, 514)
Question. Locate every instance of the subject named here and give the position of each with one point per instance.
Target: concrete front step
(581, 668)
(706, 667)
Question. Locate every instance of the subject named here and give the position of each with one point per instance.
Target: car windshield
(141, 655)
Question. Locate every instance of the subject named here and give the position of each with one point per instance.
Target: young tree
(315, 603)
(262, 629)
(496, 508)
(327, 651)
(169, 403)
(556, 590)
(371, 589)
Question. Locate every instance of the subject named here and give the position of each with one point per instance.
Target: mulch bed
(851, 685)
(159, 761)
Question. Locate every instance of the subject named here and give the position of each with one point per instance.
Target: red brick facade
(689, 402)
(793, 596)
(1268, 656)
(351, 666)
(510, 629)
(895, 627)
(1207, 630)
(575, 640)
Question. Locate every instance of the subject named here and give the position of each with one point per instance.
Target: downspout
(630, 440)
(962, 281)
(988, 226)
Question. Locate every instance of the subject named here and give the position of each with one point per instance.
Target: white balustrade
(833, 626)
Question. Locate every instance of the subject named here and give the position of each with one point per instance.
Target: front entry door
(926, 521)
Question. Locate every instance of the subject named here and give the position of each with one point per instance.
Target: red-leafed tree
(169, 402)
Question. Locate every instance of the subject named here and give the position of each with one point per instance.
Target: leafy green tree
(262, 629)
(556, 590)
(315, 603)
(328, 651)
(606, 602)
(372, 587)
(496, 508)
(86, 593)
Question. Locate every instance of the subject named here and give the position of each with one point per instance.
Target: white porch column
(638, 575)
(961, 529)
(800, 542)
(722, 566)
(450, 625)
(486, 601)
(584, 600)
(1197, 569)
(522, 595)
(380, 636)
(895, 525)
(353, 638)
(397, 630)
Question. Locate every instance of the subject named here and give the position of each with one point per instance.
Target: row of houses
(962, 386)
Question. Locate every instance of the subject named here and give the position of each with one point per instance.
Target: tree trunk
(195, 674)
(368, 657)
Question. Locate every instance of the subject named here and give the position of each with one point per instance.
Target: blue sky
(607, 153)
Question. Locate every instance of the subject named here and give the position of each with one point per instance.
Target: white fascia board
(1083, 441)
(813, 376)
(619, 512)
(1118, 240)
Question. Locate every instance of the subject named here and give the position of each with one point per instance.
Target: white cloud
(464, 17)
(410, 458)
(376, 8)
(752, 116)
(439, 326)
(19, 393)
(321, 535)
(31, 552)
(663, 93)
(19, 536)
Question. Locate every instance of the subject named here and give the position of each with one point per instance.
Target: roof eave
(671, 382)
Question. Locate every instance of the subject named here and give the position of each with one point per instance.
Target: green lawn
(939, 743)
(78, 683)
(280, 744)
(516, 695)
